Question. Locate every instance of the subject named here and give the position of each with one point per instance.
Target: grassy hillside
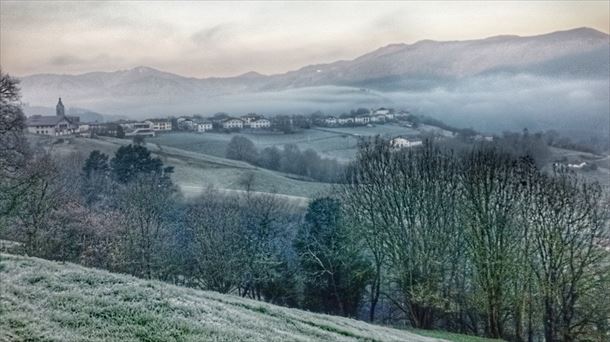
(51, 301)
(195, 171)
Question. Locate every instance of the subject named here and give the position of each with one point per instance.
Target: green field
(339, 143)
(50, 301)
(195, 172)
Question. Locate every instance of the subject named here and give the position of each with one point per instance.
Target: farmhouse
(381, 111)
(260, 123)
(378, 118)
(232, 123)
(60, 124)
(362, 119)
(204, 126)
(160, 124)
(247, 119)
(400, 142)
(331, 121)
(186, 124)
(345, 120)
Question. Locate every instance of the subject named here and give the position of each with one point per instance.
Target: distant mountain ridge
(397, 64)
(397, 74)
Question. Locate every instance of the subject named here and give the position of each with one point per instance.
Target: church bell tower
(59, 109)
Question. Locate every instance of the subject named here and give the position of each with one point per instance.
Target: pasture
(56, 301)
(339, 143)
(194, 172)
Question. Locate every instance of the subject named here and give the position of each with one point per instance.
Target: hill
(497, 83)
(51, 301)
(194, 171)
(581, 52)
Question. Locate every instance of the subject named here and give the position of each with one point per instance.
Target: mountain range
(423, 76)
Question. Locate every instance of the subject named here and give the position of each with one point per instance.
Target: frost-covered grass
(452, 336)
(49, 301)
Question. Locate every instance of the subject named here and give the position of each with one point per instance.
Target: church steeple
(59, 109)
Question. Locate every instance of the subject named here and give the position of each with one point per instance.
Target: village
(66, 125)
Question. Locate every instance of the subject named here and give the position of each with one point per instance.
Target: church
(57, 125)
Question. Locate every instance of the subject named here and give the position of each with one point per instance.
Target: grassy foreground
(42, 300)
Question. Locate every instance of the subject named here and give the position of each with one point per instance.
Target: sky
(219, 39)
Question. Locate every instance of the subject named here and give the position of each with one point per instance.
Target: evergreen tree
(133, 160)
(96, 162)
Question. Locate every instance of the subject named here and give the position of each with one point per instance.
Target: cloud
(65, 60)
(220, 33)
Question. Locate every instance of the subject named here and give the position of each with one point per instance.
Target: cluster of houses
(61, 124)
(223, 122)
(380, 115)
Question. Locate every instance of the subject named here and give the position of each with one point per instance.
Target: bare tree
(567, 220)
(9, 89)
(144, 203)
(44, 195)
(408, 198)
(217, 255)
(14, 151)
(490, 193)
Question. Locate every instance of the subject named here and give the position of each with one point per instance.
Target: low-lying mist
(579, 108)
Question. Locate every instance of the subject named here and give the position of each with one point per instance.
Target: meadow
(54, 301)
(195, 172)
(340, 142)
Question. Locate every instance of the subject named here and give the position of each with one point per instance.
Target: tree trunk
(375, 293)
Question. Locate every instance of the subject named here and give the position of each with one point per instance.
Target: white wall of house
(160, 125)
(262, 123)
(405, 143)
(46, 130)
(233, 123)
(204, 127)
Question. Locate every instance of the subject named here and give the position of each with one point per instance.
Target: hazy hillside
(552, 81)
(44, 300)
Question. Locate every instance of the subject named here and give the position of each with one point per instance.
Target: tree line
(289, 159)
(482, 242)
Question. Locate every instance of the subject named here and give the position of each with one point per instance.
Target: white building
(331, 120)
(399, 143)
(362, 119)
(232, 123)
(160, 125)
(260, 123)
(83, 127)
(381, 111)
(204, 127)
(249, 118)
(378, 118)
(345, 121)
(60, 124)
(186, 124)
(50, 125)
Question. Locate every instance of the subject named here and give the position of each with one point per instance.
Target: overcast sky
(203, 39)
